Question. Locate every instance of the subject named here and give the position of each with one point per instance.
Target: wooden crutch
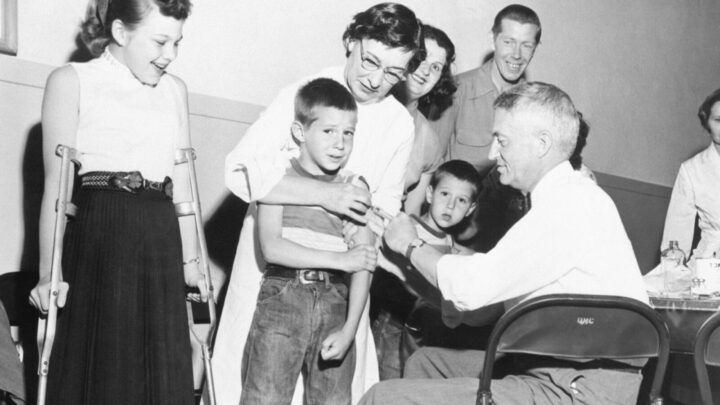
(64, 209)
(187, 155)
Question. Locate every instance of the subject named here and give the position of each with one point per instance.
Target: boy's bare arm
(338, 342)
(357, 299)
(363, 236)
(359, 284)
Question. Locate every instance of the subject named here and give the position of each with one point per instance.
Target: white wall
(246, 50)
(637, 69)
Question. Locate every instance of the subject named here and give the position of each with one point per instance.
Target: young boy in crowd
(305, 321)
(408, 321)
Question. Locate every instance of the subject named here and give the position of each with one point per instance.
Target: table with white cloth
(684, 314)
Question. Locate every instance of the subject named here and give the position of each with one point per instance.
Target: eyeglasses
(392, 75)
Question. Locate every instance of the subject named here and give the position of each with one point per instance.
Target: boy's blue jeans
(290, 323)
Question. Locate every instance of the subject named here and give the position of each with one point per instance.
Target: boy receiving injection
(305, 320)
(451, 196)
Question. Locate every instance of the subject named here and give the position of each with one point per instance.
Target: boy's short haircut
(321, 92)
(461, 170)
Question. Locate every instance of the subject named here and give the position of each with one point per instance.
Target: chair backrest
(707, 352)
(574, 326)
(11, 378)
(14, 292)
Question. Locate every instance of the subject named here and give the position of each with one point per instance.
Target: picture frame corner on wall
(8, 27)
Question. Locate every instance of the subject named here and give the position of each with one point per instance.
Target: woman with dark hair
(122, 332)
(427, 92)
(697, 192)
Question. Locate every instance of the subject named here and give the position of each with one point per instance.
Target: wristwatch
(416, 243)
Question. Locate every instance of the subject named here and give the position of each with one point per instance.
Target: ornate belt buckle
(130, 181)
(310, 276)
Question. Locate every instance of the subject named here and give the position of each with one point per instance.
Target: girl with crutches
(122, 330)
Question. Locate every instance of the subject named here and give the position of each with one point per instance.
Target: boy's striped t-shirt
(312, 226)
(437, 239)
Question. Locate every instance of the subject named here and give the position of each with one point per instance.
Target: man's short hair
(461, 170)
(391, 24)
(706, 106)
(564, 121)
(518, 13)
(321, 92)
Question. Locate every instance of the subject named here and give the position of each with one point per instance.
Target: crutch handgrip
(184, 155)
(186, 208)
(67, 207)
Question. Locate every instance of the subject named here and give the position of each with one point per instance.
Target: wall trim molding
(632, 185)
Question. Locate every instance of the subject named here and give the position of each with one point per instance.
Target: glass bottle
(671, 259)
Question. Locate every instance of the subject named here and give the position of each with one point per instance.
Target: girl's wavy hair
(433, 104)
(95, 30)
(391, 24)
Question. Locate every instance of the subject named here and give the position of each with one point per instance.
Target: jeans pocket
(340, 290)
(271, 288)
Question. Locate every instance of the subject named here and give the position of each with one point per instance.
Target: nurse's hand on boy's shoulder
(360, 257)
(347, 200)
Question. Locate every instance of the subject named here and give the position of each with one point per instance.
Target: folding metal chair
(707, 352)
(15, 288)
(574, 326)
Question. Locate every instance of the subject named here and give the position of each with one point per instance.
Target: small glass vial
(671, 259)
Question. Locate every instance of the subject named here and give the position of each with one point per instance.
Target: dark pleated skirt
(122, 337)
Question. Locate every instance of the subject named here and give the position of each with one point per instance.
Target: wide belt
(305, 276)
(132, 182)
